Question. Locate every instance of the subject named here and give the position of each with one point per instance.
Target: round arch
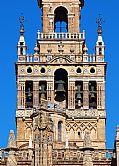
(61, 19)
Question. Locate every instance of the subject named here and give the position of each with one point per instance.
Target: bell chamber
(61, 85)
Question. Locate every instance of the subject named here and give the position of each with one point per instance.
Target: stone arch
(60, 130)
(28, 133)
(61, 19)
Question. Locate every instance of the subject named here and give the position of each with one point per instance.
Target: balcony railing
(67, 36)
(48, 57)
(77, 155)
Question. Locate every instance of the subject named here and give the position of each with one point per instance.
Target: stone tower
(60, 114)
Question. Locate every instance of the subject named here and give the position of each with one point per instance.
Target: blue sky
(9, 35)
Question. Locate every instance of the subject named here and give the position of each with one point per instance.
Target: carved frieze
(92, 113)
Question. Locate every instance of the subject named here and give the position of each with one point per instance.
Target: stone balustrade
(77, 155)
(64, 36)
(46, 57)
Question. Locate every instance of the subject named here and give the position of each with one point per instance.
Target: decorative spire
(99, 22)
(30, 142)
(22, 48)
(21, 20)
(87, 140)
(66, 142)
(11, 141)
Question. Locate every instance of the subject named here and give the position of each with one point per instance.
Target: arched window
(29, 94)
(61, 20)
(60, 131)
(21, 51)
(92, 94)
(52, 125)
(61, 85)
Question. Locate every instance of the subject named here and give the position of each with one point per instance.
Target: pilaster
(35, 94)
(71, 95)
(86, 95)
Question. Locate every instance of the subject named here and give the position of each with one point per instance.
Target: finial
(11, 141)
(30, 142)
(21, 20)
(99, 22)
(87, 140)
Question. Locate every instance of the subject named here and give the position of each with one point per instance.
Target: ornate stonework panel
(82, 125)
(85, 114)
(24, 113)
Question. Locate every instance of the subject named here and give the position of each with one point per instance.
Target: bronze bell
(29, 93)
(42, 91)
(92, 92)
(60, 87)
(93, 104)
(78, 92)
(60, 91)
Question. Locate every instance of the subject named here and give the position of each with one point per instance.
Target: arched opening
(29, 94)
(52, 125)
(61, 19)
(60, 131)
(21, 51)
(92, 94)
(61, 85)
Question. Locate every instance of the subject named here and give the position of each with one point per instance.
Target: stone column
(100, 95)
(35, 94)
(21, 95)
(51, 25)
(56, 126)
(71, 95)
(45, 18)
(76, 18)
(18, 94)
(45, 153)
(70, 24)
(86, 95)
(50, 91)
(50, 154)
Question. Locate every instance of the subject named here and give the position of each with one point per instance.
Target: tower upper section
(61, 15)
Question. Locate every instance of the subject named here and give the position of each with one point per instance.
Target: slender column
(35, 94)
(18, 95)
(50, 91)
(86, 95)
(45, 19)
(71, 95)
(70, 24)
(50, 155)
(56, 130)
(45, 153)
(103, 95)
(21, 95)
(76, 19)
(100, 95)
(51, 19)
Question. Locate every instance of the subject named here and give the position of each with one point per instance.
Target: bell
(60, 87)
(79, 103)
(92, 92)
(42, 91)
(93, 104)
(60, 91)
(29, 93)
(78, 92)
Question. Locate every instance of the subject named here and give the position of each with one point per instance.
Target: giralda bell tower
(60, 88)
